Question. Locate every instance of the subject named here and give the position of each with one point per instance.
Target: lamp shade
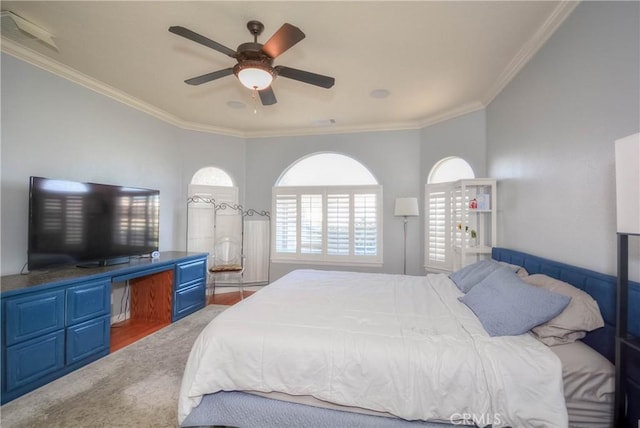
(254, 75)
(406, 207)
(628, 184)
(255, 78)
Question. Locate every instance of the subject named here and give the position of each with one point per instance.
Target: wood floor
(126, 332)
(228, 298)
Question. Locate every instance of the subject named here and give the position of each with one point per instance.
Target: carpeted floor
(136, 386)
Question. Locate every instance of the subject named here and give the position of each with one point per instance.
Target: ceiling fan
(255, 68)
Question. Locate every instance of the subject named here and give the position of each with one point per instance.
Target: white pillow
(581, 315)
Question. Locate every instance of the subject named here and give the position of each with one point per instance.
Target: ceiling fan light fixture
(254, 75)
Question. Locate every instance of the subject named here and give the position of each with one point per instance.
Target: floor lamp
(627, 151)
(406, 207)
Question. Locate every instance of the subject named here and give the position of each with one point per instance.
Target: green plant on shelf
(471, 232)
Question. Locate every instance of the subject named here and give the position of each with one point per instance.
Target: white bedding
(390, 343)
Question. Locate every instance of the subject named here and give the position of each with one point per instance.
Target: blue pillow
(469, 276)
(507, 306)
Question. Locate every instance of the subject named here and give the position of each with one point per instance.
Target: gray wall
(54, 128)
(551, 133)
(464, 136)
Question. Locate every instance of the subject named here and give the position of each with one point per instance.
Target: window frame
(323, 258)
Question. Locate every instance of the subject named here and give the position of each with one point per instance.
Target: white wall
(54, 128)
(551, 133)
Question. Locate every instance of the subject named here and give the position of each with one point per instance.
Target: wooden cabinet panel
(88, 300)
(189, 300)
(188, 272)
(87, 338)
(33, 315)
(33, 359)
(151, 297)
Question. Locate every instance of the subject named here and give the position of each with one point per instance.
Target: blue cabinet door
(189, 272)
(88, 300)
(33, 359)
(88, 338)
(33, 315)
(188, 300)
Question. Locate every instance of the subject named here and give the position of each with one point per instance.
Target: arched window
(212, 176)
(450, 169)
(213, 183)
(327, 209)
(437, 199)
(326, 169)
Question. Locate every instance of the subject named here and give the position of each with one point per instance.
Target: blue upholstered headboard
(600, 286)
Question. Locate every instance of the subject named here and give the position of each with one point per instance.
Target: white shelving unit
(474, 220)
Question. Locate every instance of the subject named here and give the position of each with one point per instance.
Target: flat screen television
(89, 224)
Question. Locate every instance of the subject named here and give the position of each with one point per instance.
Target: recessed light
(236, 104)
(379, 93)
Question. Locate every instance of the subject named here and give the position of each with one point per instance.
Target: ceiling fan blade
(305, 76)
(267, 96)
(287, 36)
(209, 77)
(188, 34)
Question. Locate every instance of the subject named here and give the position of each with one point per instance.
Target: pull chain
(254, 95)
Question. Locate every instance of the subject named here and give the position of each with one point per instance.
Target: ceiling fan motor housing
(251, 50)
(250, 55)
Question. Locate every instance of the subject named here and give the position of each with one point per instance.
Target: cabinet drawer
(33, 315)
(33, 359)
(189, 300)
(188, 272)
(88, 338)
(88, 300)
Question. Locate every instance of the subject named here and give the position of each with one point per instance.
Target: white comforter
(390, 343)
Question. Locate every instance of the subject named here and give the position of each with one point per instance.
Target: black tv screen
(89, 224)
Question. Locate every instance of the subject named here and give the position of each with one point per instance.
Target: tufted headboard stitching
(600, 286)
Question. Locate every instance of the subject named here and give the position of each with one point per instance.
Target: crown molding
(530, 48)
(451, 114)
(562, 11)
(328, 130)
(41, 61)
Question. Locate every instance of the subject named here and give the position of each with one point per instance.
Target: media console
(54, 322)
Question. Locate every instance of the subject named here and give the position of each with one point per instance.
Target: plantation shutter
(438, 251)
(286, 223)
(311, 224)
(338, 224)
(365, 225)
(338, 221)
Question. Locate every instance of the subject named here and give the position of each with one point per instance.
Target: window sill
(326, 262)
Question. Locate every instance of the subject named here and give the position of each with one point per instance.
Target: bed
(345, 349)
